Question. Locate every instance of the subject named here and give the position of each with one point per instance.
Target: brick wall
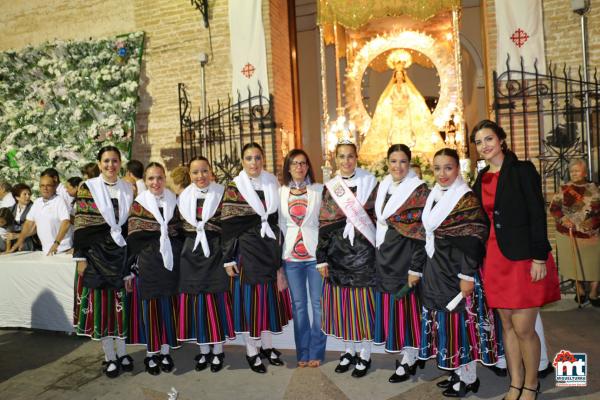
(175, 36)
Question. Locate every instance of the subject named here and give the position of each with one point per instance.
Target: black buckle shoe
(260, 368)
(408, 371)
(219, 366)
(201, 366)
(267, 353)
(359, 373)
(169, 365)
(446, 383)
(126, 367)
(115, 372)
(340, 369)
(155, 370)
(463, 389)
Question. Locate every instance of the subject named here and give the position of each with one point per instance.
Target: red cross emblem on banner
(248, 70)
(519, 37)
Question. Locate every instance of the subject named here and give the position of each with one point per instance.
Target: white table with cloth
(36, 291)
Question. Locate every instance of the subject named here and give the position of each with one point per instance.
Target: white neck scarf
(187, 207)
(150, 203)
(401, 194)
(270, 186)
(102, 199)
(434, 216)
(365, 183)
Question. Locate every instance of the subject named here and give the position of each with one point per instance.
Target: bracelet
(539, 262)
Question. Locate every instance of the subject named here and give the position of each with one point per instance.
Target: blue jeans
(310, 340)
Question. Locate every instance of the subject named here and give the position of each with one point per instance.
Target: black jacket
(519, 210)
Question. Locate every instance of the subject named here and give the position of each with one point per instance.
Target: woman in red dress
(519, 273)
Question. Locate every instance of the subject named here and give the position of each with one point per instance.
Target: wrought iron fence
(221, 135)
(546, 116)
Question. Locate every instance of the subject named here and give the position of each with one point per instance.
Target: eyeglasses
(296, 164)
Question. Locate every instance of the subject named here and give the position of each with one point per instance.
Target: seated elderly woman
(576, 209)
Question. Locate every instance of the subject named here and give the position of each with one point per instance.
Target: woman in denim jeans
(299, 222)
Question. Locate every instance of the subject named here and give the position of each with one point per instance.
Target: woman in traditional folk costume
(457, 327)
(101, 308)
(154, 246)
(400, 242)
(252, 255)
(299, 221)
(205, 307)
(346, 257)
(519, 273)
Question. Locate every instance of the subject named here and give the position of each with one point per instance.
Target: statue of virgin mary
(401, 116)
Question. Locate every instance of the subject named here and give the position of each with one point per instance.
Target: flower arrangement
(61, 101)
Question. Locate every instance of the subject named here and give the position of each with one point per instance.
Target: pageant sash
(354, 211)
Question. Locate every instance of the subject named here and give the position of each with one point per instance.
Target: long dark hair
(494, 127)
(399, 147)
(287, 176)
(8, 217)
(106, 149)
(253, 145)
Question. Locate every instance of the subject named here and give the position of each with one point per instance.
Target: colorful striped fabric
(100, 313)
(152, 322)
(348, 312)
(397, 322)
(205, 318)
(259, 308)
(457, 338)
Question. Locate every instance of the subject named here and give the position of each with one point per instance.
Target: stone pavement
(46, 365)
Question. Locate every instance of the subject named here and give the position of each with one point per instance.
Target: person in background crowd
(101, 303)
(6, 198)
(72, 186)
(90, 170)
(252, 257)
(181, 179)
(49, 217)
(6, 226)
(135, 170)
(205, 305)
(576, 212)
(346, 259)
(454, 306)
(300, 202)
(22, 193)
(519, 273)
(400, 243)
(61, 190)
(153, 247)
(416, 168)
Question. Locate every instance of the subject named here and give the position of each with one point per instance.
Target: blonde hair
(181, 176)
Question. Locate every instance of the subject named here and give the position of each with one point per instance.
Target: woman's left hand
(466, 287)
(538, 270)
(282, 283)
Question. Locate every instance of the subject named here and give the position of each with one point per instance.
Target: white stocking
(267, 340)
(467, 373)
(109, 349)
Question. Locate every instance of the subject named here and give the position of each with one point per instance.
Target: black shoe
(260, 368)
(267, 353)
(446, 383)
(536, 390)
(201, 366)
(155, 370)
(421, 364)
(501, 372)
(408, 371)
(359, 373)
(126, 367)
(546, 371)
(219, 366)
(463, 390)
(115, 372)
(516, 388)
(340, 369)
(595, 301)
(169, 365)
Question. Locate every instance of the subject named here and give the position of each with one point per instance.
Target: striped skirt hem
(397, 321)
(206, 318)
(348, 312)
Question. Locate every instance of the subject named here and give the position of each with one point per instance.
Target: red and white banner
(248, 52)
(520, 34)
